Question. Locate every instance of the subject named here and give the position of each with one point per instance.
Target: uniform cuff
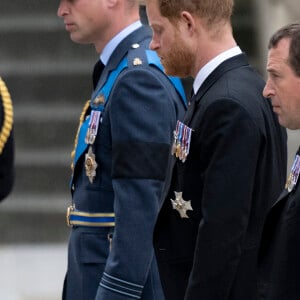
(121, 286)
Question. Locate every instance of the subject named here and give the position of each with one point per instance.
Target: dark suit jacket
(6, 158)
(132, 149)
(279, 259)
(235, 171)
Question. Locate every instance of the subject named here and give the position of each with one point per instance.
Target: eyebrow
(273, 71)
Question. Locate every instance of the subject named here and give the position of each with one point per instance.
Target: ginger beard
(179, 60)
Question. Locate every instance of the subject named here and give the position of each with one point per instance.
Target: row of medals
(90, 159)
(182, 140)
(294, 174)
(180, 148)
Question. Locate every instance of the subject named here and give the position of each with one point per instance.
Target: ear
(111, 3)
(188, 21)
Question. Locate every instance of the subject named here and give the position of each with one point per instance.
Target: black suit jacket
(279, 259)
(6, 144)
(235, 171)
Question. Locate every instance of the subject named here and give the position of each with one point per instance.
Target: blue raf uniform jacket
(131, 150)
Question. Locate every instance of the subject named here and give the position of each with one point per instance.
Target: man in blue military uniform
(6, 142)
(121, 156)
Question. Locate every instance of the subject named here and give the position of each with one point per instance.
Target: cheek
(290, 102)
(283, 90)
(165, 43)
(296, 102)
(168, 40)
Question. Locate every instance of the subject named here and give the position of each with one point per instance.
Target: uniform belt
(80, 218)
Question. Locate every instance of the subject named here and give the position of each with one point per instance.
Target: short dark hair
(292, 32)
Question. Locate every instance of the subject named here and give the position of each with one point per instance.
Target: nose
(62, 9)
(154, 45)
(268, 91)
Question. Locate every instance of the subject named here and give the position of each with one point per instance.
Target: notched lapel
(284, 194)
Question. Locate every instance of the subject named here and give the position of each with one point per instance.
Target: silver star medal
(181, 205)
(90, 165)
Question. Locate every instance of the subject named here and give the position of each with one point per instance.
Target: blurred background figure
(6, 142)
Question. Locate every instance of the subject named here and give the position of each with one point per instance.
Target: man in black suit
(279, 259)
(229, 157)
(6, 142)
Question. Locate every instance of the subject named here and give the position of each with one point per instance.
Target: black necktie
(98, 68)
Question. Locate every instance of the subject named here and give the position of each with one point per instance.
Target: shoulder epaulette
(7, 115)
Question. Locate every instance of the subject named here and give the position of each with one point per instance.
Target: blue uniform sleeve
(143, 114)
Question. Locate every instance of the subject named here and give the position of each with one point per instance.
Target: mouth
(69, 26)
(276, 108)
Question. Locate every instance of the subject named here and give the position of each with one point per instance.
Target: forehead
(280, 53)
(153, 12)
(156, 20)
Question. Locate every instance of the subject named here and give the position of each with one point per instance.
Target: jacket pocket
(94, 247)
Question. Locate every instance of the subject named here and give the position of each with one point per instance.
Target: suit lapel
(283, 195)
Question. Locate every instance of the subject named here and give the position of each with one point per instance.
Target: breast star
(181, 205)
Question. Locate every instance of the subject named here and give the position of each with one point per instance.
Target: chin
(77, 39)
(176, 73)
(171, 71)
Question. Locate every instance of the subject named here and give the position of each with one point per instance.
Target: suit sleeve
(142, 118)
(6, 161)
(231, 143)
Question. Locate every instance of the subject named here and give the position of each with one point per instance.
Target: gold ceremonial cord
(8, 115)
(81, 120)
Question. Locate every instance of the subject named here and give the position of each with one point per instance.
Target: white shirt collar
(116, 40)
(212, 65)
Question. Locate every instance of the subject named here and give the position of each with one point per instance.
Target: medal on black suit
(294, 174)
(182, 140)
(181, 205)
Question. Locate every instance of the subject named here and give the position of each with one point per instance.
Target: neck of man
(215, 44)
(119, 21)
